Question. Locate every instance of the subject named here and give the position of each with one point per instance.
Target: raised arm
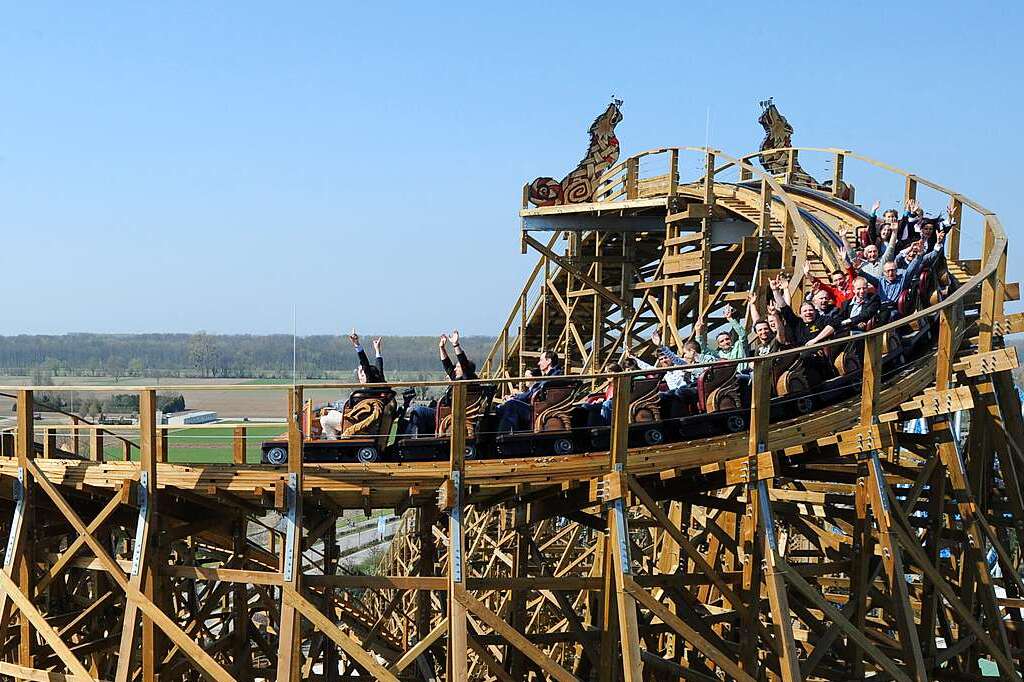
(873, 223)
(732, 316)
(872, 280)
(755, 314)
(446, 362)
(700, 331)
(378, 346)
(364, 362)
(890, 249)
(781, 292)
(774, 287)
(460, 357)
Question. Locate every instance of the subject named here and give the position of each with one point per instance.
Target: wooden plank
(144, 537)
(15, 558)
(720, 658)
(998, 360)
(238, 445)
(19, 672)
(667, 281)
(694, 211)
(519, 641)
(750, 469)
(871, 379)
(412, 654)
(688, 238)
(590, 281)
(228, 575)
(325, 625)
(1009, 324)
(683, 262)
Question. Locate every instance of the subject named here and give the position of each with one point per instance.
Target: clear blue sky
(198, 167)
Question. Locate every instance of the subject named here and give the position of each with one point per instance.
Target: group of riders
(882, 270)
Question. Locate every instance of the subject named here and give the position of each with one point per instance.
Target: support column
(706, 278)
(143, 572)
(289, 654)
(760, 396)
(458, 624)
(24, 550)
(618, 533)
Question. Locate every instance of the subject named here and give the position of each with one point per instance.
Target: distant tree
(116, 367)
(41, 376)
(136, 368)
(170, 403)
(202, 355)
(123, 402)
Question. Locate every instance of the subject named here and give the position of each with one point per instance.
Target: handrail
(81, 419)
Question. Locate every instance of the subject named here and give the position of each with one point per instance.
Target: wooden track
(834, 546)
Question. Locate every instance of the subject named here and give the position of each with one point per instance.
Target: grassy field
(203, 446)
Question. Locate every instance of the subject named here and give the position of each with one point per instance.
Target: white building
(191, 417)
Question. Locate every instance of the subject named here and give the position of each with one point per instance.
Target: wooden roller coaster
(814, 538)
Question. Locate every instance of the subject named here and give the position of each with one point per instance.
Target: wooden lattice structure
(834, 546)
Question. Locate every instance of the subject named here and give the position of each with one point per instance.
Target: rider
(727, 347)
(331, 420)
(420, 418)
(514, 414)
(599, 404)
(853, 316)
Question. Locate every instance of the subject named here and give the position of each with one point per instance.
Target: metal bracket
(456, 539)
(141, 526)
(291, 525)
(19, 515)
(622, 533)
(879, 477)
(618, 506)
(767, 517)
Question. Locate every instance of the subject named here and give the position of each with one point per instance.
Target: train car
(371, 426)
(364, 432)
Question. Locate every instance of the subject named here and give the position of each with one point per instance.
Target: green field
(205, 445)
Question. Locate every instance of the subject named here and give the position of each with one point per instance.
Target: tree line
(213, 355)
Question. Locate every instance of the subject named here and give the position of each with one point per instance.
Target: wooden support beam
(289, 653)
(618, 533)
(17, 569)
(512, 636)
(578, 274)
(143, 575)
(458, 628)
(208, 664)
